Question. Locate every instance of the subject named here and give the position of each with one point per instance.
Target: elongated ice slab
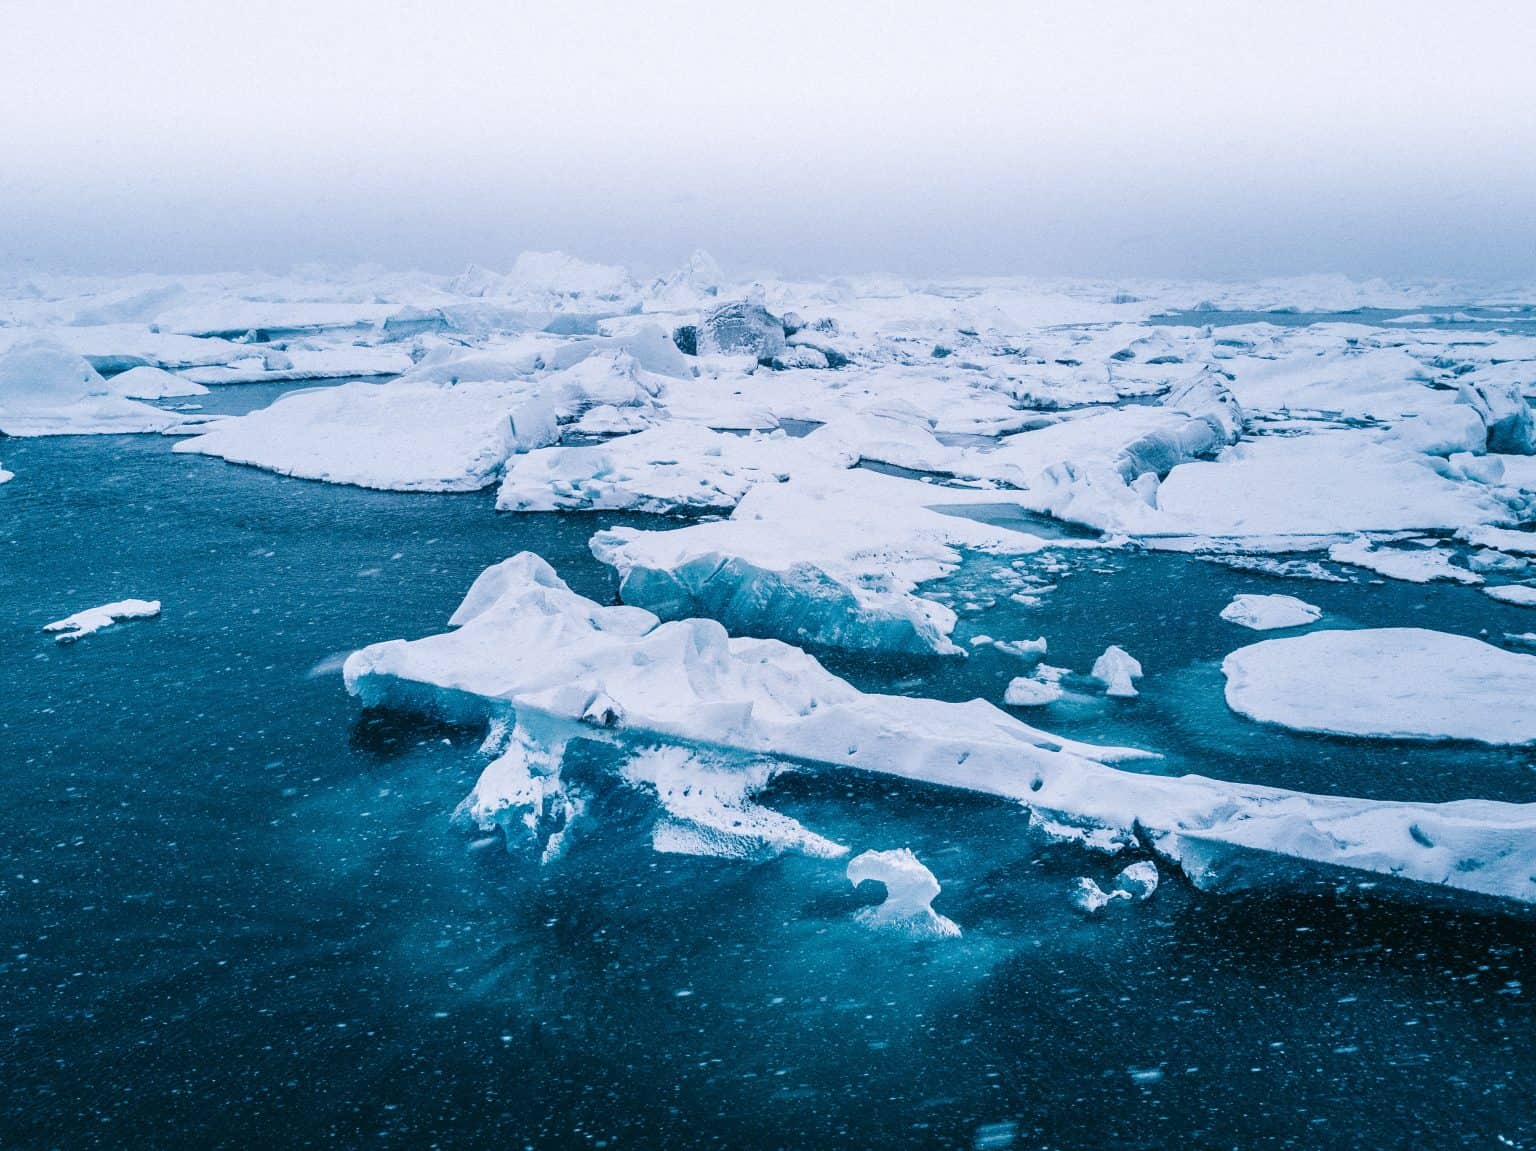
(83, 623)
(526, 649)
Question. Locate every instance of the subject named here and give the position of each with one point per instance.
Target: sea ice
(1031, 691)
(47, 390)
(1388, 683)
(1413, 564)
(83, 623)
(1267, 612)
(910, 890)
(1522, 594)
(554, 666)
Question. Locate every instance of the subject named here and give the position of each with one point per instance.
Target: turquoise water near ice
(236, 911)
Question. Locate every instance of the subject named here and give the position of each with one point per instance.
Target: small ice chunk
(1029, 691)
(83, 623)
(1089, 898)
(910, 889)
(1140, 879)
(1023, 648)
(5, 476)
(1516, 593)
(1266, 612)
(1135, 884)
(1115, 669)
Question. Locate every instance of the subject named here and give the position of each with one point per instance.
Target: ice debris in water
(910, 889)
(1115, 669)
(6, 476)
(1268, 612)
(709, 807)
(1135, 883)
(83, 623)
(530, 654)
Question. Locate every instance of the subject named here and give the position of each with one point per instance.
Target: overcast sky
(1180, 138)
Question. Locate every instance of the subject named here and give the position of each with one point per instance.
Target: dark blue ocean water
(235, 911)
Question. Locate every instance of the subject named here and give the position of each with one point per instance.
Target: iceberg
(1268, 612)
(1386, 683)
(551, 666)
(48, 390)
(1115, 669)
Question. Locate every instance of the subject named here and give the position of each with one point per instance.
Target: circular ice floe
(1266, 612)
(1390, 683)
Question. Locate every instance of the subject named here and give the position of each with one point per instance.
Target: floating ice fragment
(83, 623)
(1115, 669)
(1266, 612)
(1420, 565)
(1089, 898)
(1522, 594)
(1140, 879)
(910, 890)
(1391, 683)
(1030, 691)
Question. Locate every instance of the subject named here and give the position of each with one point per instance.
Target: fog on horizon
(1189, 139)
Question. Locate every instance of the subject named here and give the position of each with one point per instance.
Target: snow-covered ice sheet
(553, 666)
(1387, 683)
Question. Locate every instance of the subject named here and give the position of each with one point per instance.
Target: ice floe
(83, 623)
(1387, 683)
(1268, 612)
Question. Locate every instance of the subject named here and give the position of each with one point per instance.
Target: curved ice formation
(1389, 683)
(1268, 612)
(83, 623)
(910, 890)
(529, 651)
